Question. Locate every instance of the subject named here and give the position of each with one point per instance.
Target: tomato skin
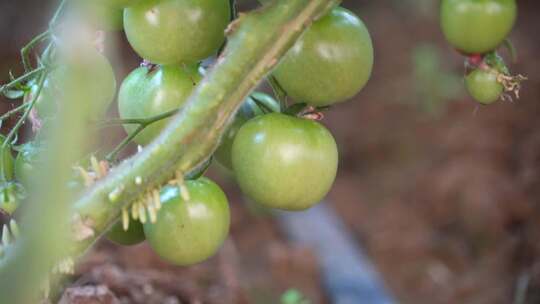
(93, 76)
(8, 161)
(189, 232)
(98, 14)
(176, 31)
(477, 26)
(148, 92)
(284, 162)
(45, 105)
(248, 110)
(483, 86)
(331, 63)
(119, 3)
(26, 162)
(133, 236)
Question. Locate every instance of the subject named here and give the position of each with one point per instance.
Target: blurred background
(441, 194)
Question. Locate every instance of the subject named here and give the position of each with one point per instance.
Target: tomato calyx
(511, 83)
(493, 63)
(152, 67)
(474, 59)
(311, 113)
(305, 111)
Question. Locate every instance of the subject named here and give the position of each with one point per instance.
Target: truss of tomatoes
(281, 156)
(477, 29)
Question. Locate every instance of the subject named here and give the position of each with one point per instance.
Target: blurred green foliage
(434, 83)
(293, 296)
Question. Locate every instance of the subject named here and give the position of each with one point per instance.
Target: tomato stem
(279, 92)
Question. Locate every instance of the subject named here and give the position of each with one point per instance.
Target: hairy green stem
(256, 43)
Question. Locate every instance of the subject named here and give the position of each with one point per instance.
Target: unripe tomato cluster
(476, 29)
(280, 155)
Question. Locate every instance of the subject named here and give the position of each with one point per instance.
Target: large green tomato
(148, 92)
(249, 109)
(189, 232)
(477, 26)
(176, 31)
(331, 63)
(119, 3)
(93, 77)
(284, 162)
(99, 14)
(134, 235)
(483, 86)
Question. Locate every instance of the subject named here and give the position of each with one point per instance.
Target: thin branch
(112, 157)
(139, 121)
(57, 14)
(14, 111)
(21, 79)
(143, 123)
(14, 131)
(25, 51)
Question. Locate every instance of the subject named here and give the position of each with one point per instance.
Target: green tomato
(7, 159)
(26, 162)
(477, 26)
(134, 235)
(176, 31)
(331, 63)
(483, 86)
(249, 109)
(11, 195)
(90, 73)
(119, 3)
(284, 162)
(189, 232)
(148, 92)
(46, 105)
(99, 14)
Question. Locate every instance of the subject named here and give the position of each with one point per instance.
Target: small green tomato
(189, 232)
(150, 91)
(483, 86)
